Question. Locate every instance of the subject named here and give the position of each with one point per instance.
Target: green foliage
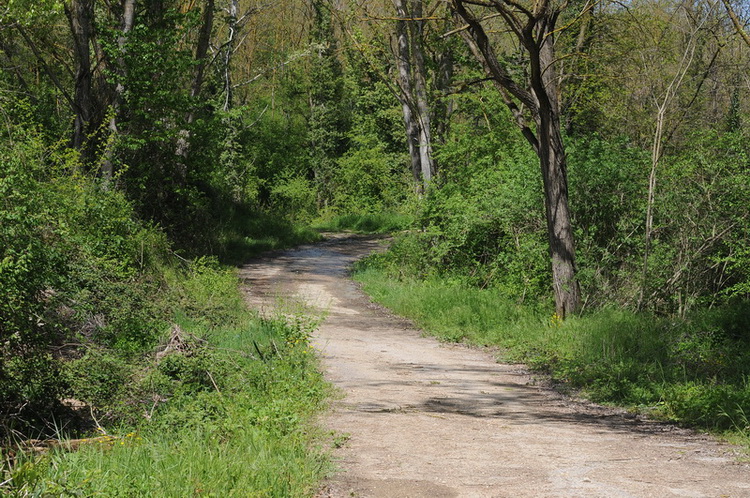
(245, 232)
(328, 121)
(697, 256)
(369, 180)
(295, 195)
(30, 12)
(98, 378)
(482, 222)
(608, 182)
(227, 392)
(207, 293)
(366, 223)
(76, 268)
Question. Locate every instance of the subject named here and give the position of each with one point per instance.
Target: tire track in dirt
(425, 419)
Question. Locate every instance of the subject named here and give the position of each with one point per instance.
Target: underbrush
(223, 408)
(242, 233)
(693, 371)
(366, 223)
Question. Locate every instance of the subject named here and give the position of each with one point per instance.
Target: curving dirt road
(425, 419)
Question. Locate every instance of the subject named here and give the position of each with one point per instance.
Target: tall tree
(534, 96)
(412, 84)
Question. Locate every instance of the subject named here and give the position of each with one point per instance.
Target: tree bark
(201, 49)
(420, 91)
(80, 15)
(232, 12)
(444, 107)
(553, 163)
(403, 64)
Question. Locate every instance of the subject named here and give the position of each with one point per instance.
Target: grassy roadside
(224, 409)
(694, 372)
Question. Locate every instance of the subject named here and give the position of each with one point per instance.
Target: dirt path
(425, 419)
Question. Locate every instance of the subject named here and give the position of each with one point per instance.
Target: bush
(76, 268)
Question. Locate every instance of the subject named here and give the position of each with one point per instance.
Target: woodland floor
(419, 418)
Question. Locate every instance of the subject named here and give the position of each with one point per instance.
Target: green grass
(245, 233)
(694, 371)
(230, 414)
(365, 223)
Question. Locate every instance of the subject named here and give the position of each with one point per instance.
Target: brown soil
(425, 419)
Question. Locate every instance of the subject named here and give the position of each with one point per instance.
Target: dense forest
(585, 160)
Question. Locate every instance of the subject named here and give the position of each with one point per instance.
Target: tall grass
(694, 371)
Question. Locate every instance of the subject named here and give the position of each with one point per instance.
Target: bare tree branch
(736, 22)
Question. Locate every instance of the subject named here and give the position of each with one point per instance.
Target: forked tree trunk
(536, 98)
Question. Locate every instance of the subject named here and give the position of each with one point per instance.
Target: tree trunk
(559, 229)
(403, 63)
(553, 162)
(201, 51)
(80, 15)
(126, 25)
(420, 91)
(412, 82)
(232, 12)
(444, 107)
